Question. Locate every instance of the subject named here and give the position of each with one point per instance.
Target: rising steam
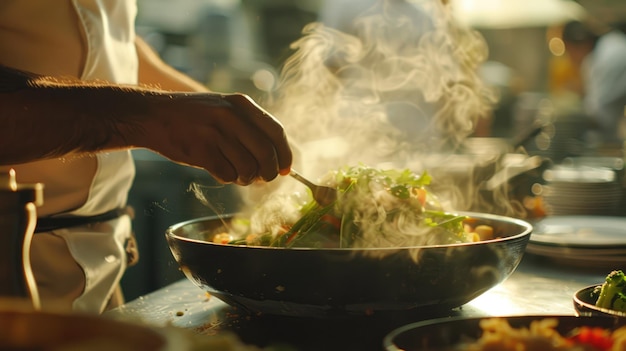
(401, 81)
(393, 85)
(396, 84)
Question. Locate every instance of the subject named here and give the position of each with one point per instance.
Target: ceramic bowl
(585, 304)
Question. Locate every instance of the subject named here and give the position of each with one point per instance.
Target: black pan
(346, 282)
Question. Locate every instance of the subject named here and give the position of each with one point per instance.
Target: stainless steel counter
(537, 287)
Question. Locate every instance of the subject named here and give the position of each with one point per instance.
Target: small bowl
(585, 304)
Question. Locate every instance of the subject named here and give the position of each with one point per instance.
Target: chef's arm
(154, 72)
(226, 134)
(46, 117)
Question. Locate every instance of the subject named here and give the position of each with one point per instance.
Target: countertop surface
(539, 286)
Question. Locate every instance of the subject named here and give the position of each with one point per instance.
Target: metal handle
(18, 217)
(297, 175)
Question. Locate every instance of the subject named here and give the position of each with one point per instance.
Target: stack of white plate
(586, 241)
(581, 191)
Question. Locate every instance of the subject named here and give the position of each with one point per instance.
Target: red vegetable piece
(596, 337)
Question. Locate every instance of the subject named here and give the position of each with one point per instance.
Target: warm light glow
(515, 13)
(556, 46)
(264, 80)
(497, 303)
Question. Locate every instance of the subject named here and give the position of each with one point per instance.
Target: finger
(209, 154)
(241, 160)
(220, 167)
(254, 150)
(270, 126)
(200, 148)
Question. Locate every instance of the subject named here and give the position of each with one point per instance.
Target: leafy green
(356, 185)
(612, 292)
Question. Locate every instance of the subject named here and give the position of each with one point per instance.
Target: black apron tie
(47, 224)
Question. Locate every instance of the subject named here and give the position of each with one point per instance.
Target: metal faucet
(18, 217)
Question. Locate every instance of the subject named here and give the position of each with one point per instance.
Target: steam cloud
(395, 86)
(399, 82)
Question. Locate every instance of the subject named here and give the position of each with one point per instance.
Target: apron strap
(47, 224)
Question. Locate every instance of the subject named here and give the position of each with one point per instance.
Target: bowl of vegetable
(607, 299)
(383, 246)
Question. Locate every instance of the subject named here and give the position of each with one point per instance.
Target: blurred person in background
(601, 59)
(78, 90)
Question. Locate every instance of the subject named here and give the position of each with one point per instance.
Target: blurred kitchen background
(240, 45)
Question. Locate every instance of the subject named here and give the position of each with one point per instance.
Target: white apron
(88, 260)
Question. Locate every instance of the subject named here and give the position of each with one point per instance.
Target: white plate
(549, 250)
(579, 175)
(584, 258)
(580, 231)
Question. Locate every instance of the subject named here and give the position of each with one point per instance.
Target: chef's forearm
(47, 122)
(44, 117)
(228, 135)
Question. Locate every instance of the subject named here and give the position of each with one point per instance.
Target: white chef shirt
(80, 267)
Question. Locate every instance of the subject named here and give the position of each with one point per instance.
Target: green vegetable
(620, 302)
(360, 184)
(374, 208)
(612, 294)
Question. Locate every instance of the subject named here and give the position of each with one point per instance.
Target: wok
(342, 281)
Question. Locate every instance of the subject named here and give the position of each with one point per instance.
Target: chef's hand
(230, 136)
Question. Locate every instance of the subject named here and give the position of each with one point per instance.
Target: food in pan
(542, 335)
(374, 208)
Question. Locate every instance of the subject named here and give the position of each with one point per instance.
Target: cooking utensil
(511, 171)
(23, 326)
(323, 282)
(18, 216)
(323, 195)
(527, 134)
